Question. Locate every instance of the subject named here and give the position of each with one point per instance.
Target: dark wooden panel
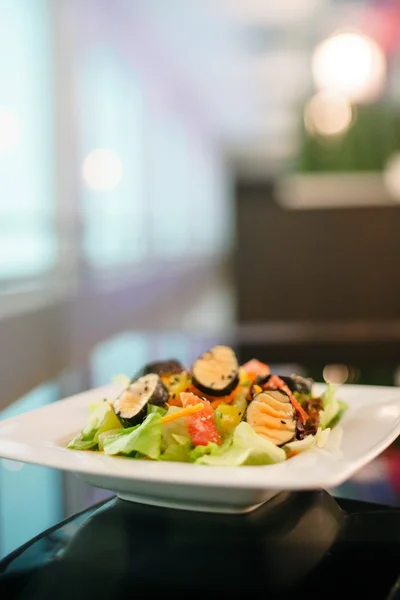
(314, 265)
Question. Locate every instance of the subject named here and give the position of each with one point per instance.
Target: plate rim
(181, 474)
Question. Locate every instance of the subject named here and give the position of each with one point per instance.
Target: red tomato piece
(255, 368)
(201, 425)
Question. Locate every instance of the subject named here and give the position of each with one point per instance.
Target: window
(27, 238)
(123, 354)
(111, 151)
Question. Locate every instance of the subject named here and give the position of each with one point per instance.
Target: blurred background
(178, 173)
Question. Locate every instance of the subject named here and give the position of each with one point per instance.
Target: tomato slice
(201, 425)
(255, 368)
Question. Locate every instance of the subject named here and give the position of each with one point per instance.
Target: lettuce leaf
(107, 434)
(319, 440)
(177, 452)
(101, 419)
(245, 447)
(331, 407)
(262, 451)
(144, 439)
(343, 406)
(297, 446)
(200, 451)
(79, 444)
(152, 408)
(212, 448)
(233, 457)
(177, 427)
(322, 437)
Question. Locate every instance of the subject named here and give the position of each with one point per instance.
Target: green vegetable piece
(343, 406)
(201, 451)
(144, 438)
(177, 427)
(241, 402)
(109, 422)
(233, 457)
(101, 419)
(177, 452)
(331, 407)
(79, 444)
(262, 451)
(107, 434)
(152, 408)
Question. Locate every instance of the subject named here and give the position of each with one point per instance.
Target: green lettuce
(144, 439)
(262, 451)
(245, 447)
(101, 419)
(212, 448)
(200, 451)
(173, 428)
(107, 434)
(343, 406)
(233, 457)
(331, 407)
(300, 445)
(152, 408)
(178, 451)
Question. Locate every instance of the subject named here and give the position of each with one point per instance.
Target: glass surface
(31, 497)
(349, 535)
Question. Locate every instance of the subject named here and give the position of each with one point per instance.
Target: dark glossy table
(298, 545)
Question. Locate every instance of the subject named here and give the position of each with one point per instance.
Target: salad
(215, 413)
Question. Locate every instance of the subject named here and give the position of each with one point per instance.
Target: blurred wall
(115, 197)
(314, 265)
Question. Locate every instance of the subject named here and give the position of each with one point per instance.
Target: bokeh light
(10, 130)
(337, 374)
(328, 114)
(351, 64)
(102, 169)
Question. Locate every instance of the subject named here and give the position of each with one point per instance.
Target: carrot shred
(189, 410)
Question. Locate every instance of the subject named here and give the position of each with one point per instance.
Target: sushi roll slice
(272, 416)
(295, 383)
(300, 384)
(216, 372)
(162, 367)
(131, 406)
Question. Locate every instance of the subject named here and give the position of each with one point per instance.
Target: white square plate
(370, 425)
